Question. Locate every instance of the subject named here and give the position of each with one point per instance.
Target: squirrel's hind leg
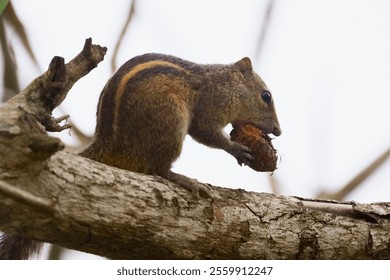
(197, 188)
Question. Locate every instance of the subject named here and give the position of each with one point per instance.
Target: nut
(264, 155)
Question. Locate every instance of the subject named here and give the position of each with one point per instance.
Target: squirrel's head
(257, 104)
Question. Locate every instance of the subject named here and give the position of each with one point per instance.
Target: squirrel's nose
(277, 131)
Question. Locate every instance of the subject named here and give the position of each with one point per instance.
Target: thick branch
(120, 214)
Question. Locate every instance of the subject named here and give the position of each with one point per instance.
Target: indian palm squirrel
(153, 101)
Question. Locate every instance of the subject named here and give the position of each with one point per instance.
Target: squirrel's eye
(266, 96)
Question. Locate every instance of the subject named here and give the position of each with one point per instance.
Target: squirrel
(15, 247)
(152, 102)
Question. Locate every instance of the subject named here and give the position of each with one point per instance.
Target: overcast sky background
(326, 63)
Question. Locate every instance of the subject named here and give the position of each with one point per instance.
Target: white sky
(327, 63)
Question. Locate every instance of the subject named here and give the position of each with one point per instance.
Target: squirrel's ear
(245, 65)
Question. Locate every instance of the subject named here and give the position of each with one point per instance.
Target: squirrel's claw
(241, 153)
(197, 189)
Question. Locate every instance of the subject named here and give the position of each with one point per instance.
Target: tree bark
(62, 198)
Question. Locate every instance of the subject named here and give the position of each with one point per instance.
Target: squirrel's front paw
(241, 153)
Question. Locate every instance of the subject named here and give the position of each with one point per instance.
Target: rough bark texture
(62, 198)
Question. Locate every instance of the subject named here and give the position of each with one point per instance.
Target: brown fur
(13, 247)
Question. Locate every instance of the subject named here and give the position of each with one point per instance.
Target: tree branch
(125, 215)
(48, 91)
(358, 179)
(26, 198)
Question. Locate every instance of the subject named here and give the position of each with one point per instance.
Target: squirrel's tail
(13, 247)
